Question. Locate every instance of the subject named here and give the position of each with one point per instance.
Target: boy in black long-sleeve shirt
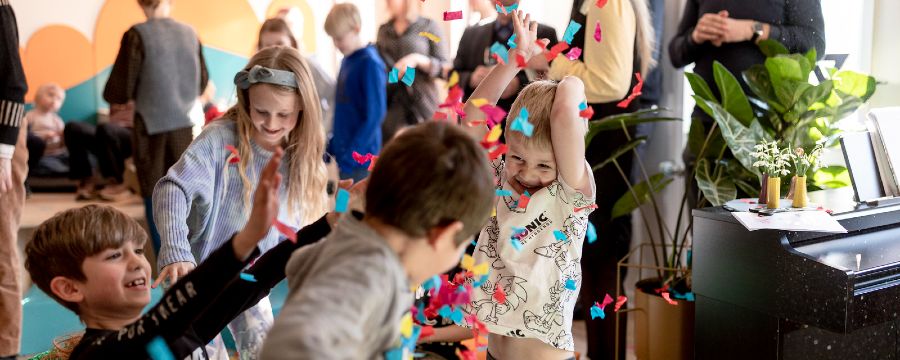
(91, 261)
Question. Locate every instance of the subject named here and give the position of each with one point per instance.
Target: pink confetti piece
(556, 50)
(499, 294)
(523, 201)
(520, 61)
(587, 113)
(361, 159)
(495, 114)
(598, 34)
(668, 299)
(619, 302)
(591, 206)
(372, 164)
(286, 231)
(606, 301)
(452, 15)
(439, 116)
(635, 92)
(574, 53)
(601, 3)
(499, 58)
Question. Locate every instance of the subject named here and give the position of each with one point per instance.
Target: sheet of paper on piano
(817, 221)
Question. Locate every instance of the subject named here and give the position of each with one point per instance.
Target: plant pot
(774, 192)
(764, 185)
(661, 330)
(800, 200)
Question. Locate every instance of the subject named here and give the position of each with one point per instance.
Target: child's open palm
(526, 35)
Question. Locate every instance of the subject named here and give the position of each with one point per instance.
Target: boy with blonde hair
(360, 94)
(534, 242)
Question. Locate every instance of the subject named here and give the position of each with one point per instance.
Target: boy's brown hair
(60, 244)
(149, 4)
(538, 99)
(276, 25)
(431, 175)
(342, 19)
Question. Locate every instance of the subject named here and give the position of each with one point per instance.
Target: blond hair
(342, 18)
(43, 89)
(537, 98)
(305, 144)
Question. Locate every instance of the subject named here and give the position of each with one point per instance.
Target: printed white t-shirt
(538, 303)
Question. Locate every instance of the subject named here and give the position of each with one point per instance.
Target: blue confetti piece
(480, 281)
(571, 284)
(516, 244)
(433, 282)
(571, 30)
(521, 123)
(394, 354)
(503, 193)
(509, 9)
(159, 350)
(248, 277)
(474, 243)
(583, 106)
(445, 311)
(597, 312)
(500, 50)
(343, 198)
(591, 233)
(689, 296)
(560, 236)
(393, 76)
(457, 316)
(512, 41)
(420, 314)
(409, 76)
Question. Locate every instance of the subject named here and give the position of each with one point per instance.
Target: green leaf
(626, 204)
(700, 86)
(834, 176)
(757, 79)
(621, 151)
(856, 84)
(733, 98)
(783, 68)
(717, 187)
(815, 94)
(811, 56)
(772, 47)
(740, 139)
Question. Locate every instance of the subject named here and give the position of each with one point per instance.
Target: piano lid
(858, 252)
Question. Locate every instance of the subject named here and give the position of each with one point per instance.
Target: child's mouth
(140, 283)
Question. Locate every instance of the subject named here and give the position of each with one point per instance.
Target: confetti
(430, 36)
(591, 233)
(521, 123)
(393, 76)
(571, 30)
(520, 61)
(516, 244)
(481, 269)
(571, 284)
(504, 193)
(556, 50)
(499, 294)
(598, 34)
(427, 331)
(409, 76)
(597, 312)
(233, 158)
(523, 200)
(499, 59)
(606, 301)
(511, 42)
(452, 15)
(574, 53)
(494, 135)
(586, 113)
(619, 302)
(591, 206)
(340, 204)
(560, 236)
(479, 102)
(439, 116)
(406, 325)
(248, 277)
(495, 114)
(505, 9)
(372, 164)
(500, 50)
(665, 295)
(582, 106)
(454, 79)
(362, 159)
(635, 92)
(601, 3)
(286, 231)
(159, 350)
(494, 154)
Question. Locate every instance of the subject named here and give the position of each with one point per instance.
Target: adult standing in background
(401, 46)
(13, 170)
(607, 68)
(473, 58)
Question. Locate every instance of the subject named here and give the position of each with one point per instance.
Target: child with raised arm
(534, 242)
(91, 261)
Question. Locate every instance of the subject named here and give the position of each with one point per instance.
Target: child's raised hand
(526, 35)
(265, 208)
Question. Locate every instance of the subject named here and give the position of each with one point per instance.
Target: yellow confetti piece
(479, 102)
(454, 79)
(430, 36)
(494, 212)
(467, 262)
(480, 269)
(406, 325)
(494, 135)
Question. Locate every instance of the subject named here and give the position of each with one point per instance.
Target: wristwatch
(757, 31)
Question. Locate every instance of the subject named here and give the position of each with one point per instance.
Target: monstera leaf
(644, 191)
(717, 186)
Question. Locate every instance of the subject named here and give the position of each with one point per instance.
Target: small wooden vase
(773, 194)
(763, 187)
(800, 200)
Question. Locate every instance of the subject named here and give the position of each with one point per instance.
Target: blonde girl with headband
(206, 196)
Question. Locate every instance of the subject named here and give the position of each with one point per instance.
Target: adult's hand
(173, 272)
(5, 175)
(736, 30)
(710, 27)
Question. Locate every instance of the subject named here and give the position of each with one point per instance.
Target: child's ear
(66, 289)
(447, 233)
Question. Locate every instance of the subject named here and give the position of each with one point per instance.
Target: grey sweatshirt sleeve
(326, 316)
(189, 183)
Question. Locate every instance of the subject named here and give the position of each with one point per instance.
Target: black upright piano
(771, 294)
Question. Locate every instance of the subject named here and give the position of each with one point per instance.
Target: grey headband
(259, 74)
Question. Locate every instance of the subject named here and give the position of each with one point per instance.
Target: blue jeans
(356, 174)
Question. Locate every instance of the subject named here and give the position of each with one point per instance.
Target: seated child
(91, 260)
(550, 184)
(429, 193)
(46, 149)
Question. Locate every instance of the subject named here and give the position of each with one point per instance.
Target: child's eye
(261, 112)
(516, 158)
(114, 255)
(283, 115)
(139, 251)
(544, 166)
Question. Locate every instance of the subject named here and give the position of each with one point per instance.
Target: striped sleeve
(12, 81)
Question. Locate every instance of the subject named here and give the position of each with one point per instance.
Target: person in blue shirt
(360, 96)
